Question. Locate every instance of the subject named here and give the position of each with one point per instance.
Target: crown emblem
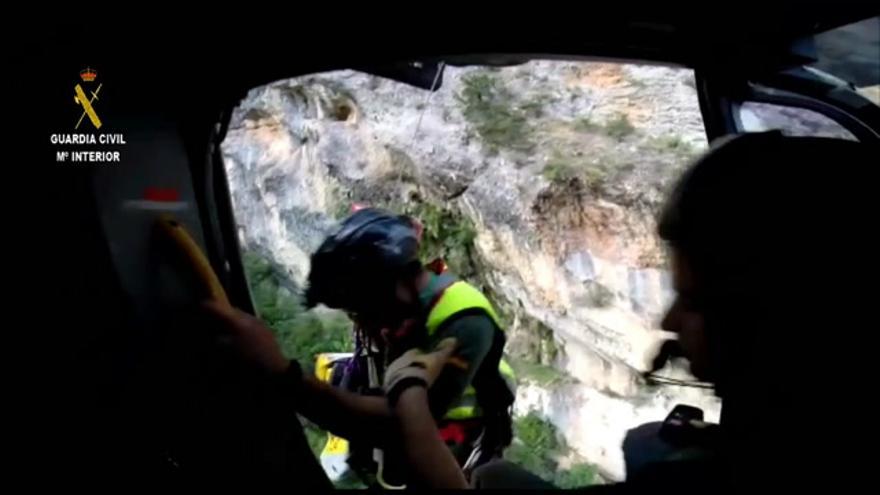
(88, 75)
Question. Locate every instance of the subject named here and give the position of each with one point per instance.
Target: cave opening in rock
(343, 112)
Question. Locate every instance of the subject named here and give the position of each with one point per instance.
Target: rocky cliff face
(544, 179)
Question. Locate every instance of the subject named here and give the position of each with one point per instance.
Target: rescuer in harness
(370, 269)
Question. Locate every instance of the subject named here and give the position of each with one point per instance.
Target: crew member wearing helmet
(370, 268)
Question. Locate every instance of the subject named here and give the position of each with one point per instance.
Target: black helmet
(358, 266)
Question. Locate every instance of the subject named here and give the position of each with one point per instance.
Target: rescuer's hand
(247, 336)
(417, 366)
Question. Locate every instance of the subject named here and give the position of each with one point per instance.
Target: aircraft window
(792, 121)
(539, 183)
(852, 53)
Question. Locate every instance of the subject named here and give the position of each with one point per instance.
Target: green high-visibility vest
(458, 297)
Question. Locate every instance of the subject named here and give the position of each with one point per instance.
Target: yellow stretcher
(335, 452)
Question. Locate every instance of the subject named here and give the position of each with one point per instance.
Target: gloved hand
(416, 367)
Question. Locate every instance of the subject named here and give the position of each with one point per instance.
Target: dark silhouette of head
(762, 231)
(745, 224)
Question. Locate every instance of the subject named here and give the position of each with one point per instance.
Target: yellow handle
(186, 245)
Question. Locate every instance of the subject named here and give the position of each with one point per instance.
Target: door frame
(721, 93)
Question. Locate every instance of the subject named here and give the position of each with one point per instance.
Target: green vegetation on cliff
(447, 234)
(485, 103)
(619, 127)
(538, 446)
(563, 167)
(537, 373)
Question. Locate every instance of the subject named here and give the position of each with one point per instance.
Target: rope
(427, 101)
(440, 66)
(664, 380)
